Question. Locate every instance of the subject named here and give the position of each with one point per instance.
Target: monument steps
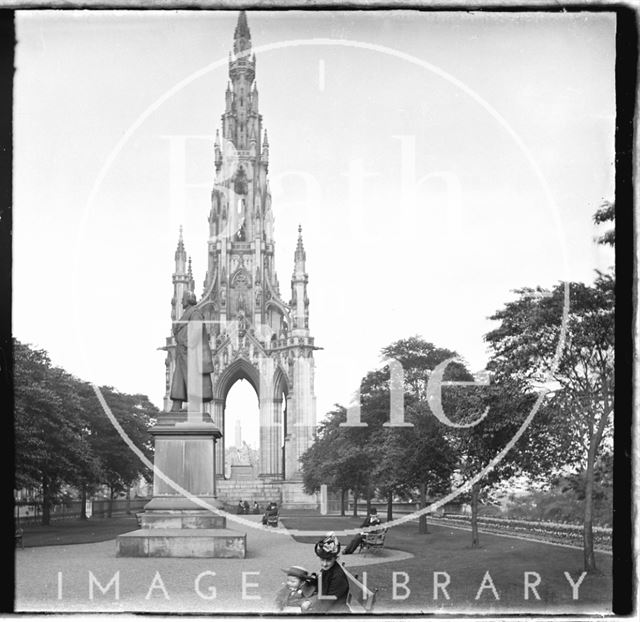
(181, 520)
(182, 543)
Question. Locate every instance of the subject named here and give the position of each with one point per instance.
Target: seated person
(332, 584)
(299, 589)
(240, 507)
(256, 508)
(372, 519)
(270, 513)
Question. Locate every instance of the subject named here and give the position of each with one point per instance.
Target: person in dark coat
(270, 513)
(332, 584)
(372, 519)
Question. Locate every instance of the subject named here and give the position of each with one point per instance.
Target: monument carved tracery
(253, 332)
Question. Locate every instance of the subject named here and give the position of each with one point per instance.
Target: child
(298, 589)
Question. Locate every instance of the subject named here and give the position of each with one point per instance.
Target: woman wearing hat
(333, 586)
(298, 589)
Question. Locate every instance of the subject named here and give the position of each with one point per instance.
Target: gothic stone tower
(254, 333)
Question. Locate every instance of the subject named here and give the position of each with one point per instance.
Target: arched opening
(280, 396)
(284, 437)
(240, 400)
(242, 431)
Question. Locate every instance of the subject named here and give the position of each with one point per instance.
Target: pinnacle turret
(181, 278)
(300, 255)
(181, 255)
(192, 283)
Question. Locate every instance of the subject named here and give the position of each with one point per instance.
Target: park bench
(373, 541)
(360, 598)
(19, 534)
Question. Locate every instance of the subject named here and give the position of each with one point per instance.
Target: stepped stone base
(182, 520)
(219, 543)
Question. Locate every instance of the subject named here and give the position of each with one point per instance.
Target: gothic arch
(280, 383)
(239, 369)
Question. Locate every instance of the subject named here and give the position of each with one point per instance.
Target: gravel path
(59, 578)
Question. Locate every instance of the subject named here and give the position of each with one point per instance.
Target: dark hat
(328, 547)
(373, 511)
(296, 571)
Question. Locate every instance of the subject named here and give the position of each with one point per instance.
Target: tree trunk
(368, 502)
(83, 502)
(355, 504)
(389, 506)
(343, 494)
(589, 557)
(475, 493)
(110, 505)
(422, 520)
(46, 502)
(129, 500)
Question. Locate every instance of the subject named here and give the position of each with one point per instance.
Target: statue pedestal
(178, 523)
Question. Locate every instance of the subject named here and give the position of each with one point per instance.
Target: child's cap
(296, 571)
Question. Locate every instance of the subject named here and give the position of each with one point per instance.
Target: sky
(435, 161)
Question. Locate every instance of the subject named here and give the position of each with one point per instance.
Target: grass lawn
(78, 531)
(448, 550)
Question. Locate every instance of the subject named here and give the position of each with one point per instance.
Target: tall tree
(524, 347)
(51, 448)
(120, 468)
(477, 445)
(428, 458)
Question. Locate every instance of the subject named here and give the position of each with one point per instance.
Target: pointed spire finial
(180, 241)
(300, 254)
(242, 35)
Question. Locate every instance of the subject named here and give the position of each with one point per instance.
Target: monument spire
(241, 118)
(299, 299)
(242, 35)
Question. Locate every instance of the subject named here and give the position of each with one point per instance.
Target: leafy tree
(321, 463)
(428, 459)
(524, 348)
(606, 213)
(119, 466)
(51, 448)
(477, 445)
(62, 436)
(418, 358)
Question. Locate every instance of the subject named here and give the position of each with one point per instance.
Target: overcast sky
(469, 103)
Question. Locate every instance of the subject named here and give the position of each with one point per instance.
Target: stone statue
(180, 332)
